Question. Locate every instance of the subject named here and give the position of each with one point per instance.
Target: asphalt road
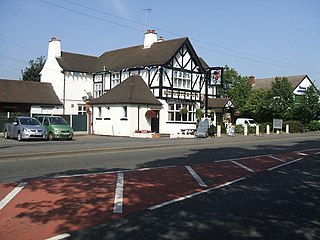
(41, 159)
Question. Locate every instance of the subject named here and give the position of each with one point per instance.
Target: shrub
(314, 125)
(294, 126)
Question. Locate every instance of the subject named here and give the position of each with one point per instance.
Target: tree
(306, 107)
(32, 73)
(235, 87)
(279, 100)
(254, 107)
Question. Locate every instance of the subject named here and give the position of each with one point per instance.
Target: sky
(262, 38)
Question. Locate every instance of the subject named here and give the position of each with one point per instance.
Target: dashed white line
(196, 176)
(193, 194)
(118, 198)
(58, 237)
(275, 158)
(12, 194)
(287, 163)
(243, 166)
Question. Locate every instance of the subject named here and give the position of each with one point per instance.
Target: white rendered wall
(305, 83)
(111, 122)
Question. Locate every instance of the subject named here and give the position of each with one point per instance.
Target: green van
(57, 127)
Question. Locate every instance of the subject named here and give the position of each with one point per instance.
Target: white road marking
(193, 194)
(278, 159)
(196, 176)
(12, 194)
(243, 166)
(118, 198)
(58, 237)
(303, 154)
(287, 163)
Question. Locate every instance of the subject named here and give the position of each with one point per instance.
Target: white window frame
(181, 79)
(115, 79)
(174, 114)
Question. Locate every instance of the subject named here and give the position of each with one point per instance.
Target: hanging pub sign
(215, 76)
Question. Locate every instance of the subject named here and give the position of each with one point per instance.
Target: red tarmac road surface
(41, 209)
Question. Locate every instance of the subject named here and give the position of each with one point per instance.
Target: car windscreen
(57, 121)
(29, 121)
(252, 122)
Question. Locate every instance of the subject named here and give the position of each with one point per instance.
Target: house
(220, 107)
(124, 108)
(299, 83)
(171, 69)
(27, 97)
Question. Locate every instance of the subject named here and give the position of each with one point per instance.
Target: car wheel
(19, 136)
(50, 136)
(6, 134)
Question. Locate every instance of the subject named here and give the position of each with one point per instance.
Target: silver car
(23, 128)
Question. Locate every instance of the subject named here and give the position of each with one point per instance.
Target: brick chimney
(252, 80)
(150, 37)
(54, 49)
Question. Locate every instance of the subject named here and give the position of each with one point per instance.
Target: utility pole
(146, 17)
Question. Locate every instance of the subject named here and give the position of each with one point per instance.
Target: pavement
(58, 207)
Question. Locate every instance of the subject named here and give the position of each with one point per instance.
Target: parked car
(23, 128)
(246, 121)
(57, 127)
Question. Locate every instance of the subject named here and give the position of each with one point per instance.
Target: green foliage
(32, 73)
(314, 125)
(279, 100)
(235, 87)
(254, 107)
(306, 106)
(294, 126)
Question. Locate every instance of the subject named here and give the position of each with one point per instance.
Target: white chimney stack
(150, 37)
(54, 49)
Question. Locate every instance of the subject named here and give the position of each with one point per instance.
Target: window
(181, 79)
(81, 110)
(99, 112)
(97, 90)
(115, 79)
(125, 111)
(181, 112)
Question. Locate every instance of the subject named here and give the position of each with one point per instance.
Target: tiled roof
(217, 102)
(133, 90)
(159, 53)
(266, 83)
(18, 91)
(137, 56)
(77, 62)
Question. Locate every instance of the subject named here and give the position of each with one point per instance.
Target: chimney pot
(150, 37)
(252, 80)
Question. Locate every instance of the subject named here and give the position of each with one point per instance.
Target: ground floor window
(181, 112)
(81, 110)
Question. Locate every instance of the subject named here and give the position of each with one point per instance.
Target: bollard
(245, 130)
(268, 129)
(218, 131)
(278, 132)
(257, 130)
(287, 128)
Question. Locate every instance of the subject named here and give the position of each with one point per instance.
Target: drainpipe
(138, 117)
(64, 93)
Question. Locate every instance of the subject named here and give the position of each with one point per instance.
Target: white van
(246, 121)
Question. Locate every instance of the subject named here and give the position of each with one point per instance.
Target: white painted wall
(112, 121)
(305, 83)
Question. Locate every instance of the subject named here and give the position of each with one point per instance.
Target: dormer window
(115, 79)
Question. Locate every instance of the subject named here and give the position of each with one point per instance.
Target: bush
(314, 125)
(294, 126)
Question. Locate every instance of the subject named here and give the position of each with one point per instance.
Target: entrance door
(155, 123)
